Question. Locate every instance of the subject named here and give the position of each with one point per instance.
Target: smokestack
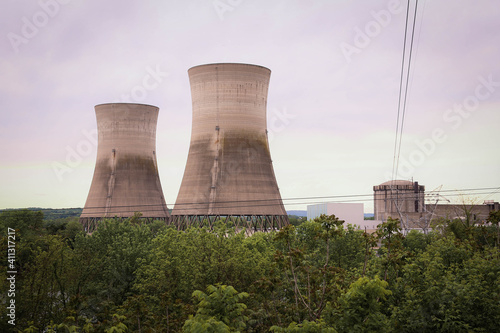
(229, 172)
(126, 176)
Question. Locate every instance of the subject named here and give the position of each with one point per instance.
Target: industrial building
(229, 172)
(396, 198)
(350, 213)
(126, 177)
(475, 213)
(406, 201)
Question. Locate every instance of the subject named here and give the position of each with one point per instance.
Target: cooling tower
(229, 172)
(126, 176)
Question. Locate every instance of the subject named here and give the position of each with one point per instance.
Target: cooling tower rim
(124, 104)
(228, 63)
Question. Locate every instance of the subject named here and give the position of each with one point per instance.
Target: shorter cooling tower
(229, 173)
(126, 177)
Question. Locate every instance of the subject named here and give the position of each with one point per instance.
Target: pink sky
(332, 113)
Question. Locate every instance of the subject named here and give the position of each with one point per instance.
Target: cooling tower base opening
(252, 223)
(90, 224)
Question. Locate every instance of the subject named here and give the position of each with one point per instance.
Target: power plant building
(405, 200)
(474, 213)
(395, 196)
(126, 177)
(349, 212)
(229, 171)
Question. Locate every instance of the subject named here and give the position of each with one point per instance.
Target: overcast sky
(332, 103)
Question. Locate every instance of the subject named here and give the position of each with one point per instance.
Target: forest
(322, 275)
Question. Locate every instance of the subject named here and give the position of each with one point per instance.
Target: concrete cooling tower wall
(126, 176)
(229, 172)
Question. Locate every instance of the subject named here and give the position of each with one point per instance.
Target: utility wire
(406, 85)
(275, 202)
(400, 92)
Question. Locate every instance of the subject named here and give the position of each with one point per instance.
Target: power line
(406, 85)
(234, 204)
(402, 101)
(400, 92)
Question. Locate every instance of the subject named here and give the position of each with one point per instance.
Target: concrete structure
(398, 195)
(405, 200)
(475, 214)
(351, 213)
(126, 175)
(401, 199)
(229, 172)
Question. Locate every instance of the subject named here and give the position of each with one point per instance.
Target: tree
(305, 327)
(296, 220)
(181, 262)
(416, 241)
(306, 256)
(494, 219)
(46, 284)
(105, 265)
(361, 307)
(117, 325)
(391, 238)
(319, 276)
(27, 223)
(220, 310)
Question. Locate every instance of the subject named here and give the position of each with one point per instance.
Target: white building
(351, 213)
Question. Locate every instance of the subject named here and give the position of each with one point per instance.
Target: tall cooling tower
(126, 175)
(229, 172)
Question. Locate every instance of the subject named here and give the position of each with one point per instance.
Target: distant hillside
(52, 214)
(302, 213)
